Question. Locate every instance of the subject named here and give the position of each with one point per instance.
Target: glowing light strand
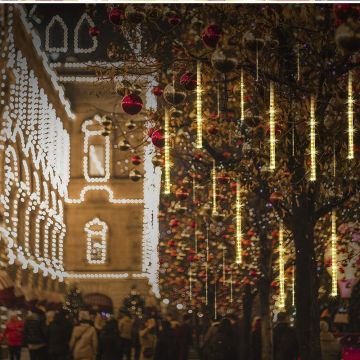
(238, 258)
(242, 90)
(272, 128)
(350, 118)
(214, 205)
(312, 140)
(281, 267)
(199, 120)
(334, 270)
(167, 187)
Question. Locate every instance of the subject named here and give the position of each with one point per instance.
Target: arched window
(96, 238)
(81, 34)
(56, 35)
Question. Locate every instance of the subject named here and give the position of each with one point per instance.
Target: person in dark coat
(223, 345)
(166, 346)
(284, 338)
(110, 342)
(35, 336)
(256, 339)
(59, 334)
(184, 338)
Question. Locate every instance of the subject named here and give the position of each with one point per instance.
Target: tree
(74, 301)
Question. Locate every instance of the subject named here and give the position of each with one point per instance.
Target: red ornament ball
(174, 20)
(188, 81)
(157, 90)
(211, 35)
(132, 104)
(94, 31)
(276, 196)
(158, 138)
(116, 15)
(136, 160)
(174, 223)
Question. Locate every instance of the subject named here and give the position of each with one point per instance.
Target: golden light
(214, 206)
(293, 287)
(281, 267)
(312, 140)
(167, 187)
(224, 267)
(334, 269)
(190, 283)
(198, 107)
(272, 128)
(242, 89)
(238, 258)
(231, 287)
(350, 118)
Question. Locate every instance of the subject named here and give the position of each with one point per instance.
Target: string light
(206, 266)
(85, 20)
(167, 187)
(55, 23)
(224, 266)
(96, 250)
(238, 258)
(312, 140)
(190, 283)
(281, 267)
(214, 206)
(242, 89)
(272, 128)
(293, 287)
(298, 62)
(350, 118)
(334, 270)
(231, 287)
(198, 107)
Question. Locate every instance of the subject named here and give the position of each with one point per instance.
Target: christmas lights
(96, 234)
(56, 21)
(85, 20)
(272, 128)
(312, 140)
(350, 118)
(293, 287)
(190, 283)
(281, 267)
(242, 88)
(334, 269)
(238, 258)
(167, 187)
(198, 107)
(214, 206)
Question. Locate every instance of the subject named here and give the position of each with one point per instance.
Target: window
(96, 238)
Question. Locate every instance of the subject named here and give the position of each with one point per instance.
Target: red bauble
(213, 130)
(158, 138)
(276, 196)
(94, 31)
(116, 15)
(136, 160)
(174, 223)
(157, 90)
(132, 104)
(211, 36)
(174, 20)
(190, 258)
(188, 81)
(274, 284)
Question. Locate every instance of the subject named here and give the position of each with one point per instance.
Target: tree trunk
(246, 328)
(266, 328)
(307, 288)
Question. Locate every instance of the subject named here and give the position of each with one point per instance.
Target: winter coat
(165, 346)
(125, 328)
(285, 343)
(35, 331)
(59, 334)
(330, 347)
(110, 344)
(147, 341)
(84, 342)
(14, 333)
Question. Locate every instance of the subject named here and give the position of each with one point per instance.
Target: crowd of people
(58, 336)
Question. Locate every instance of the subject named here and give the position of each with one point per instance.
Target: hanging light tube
(242, 88)
(281, 267)
(167, 187)
(293, 287)
(334, 269)
(312, 140)
(350, 118)
(199, 121)
(238, 258)
(272, 128)
(214, 205)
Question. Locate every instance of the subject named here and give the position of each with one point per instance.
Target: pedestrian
(135, 338)
(236, 326)
(35, 335)
(284, 340)
(14, 336)
(208, 339)
(330, 347)
(110, 342)
(184, 339)
(165, 346)
(223, 346)
(255, 340)
(59, 334)
(148, 339)
(99, 323)
(84, 342)
(125, 329)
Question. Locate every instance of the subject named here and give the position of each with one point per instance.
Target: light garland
(350, 118)
(190, 284)
(199, 119)
(214, 205)
(91, 276)
(242, 88)
(239, 205)
(93, 245)
(85, 19)
(167, 186)
(281, 267)
(231, 287)
(224, 266)
(312, 140)
(272, 128)
(293, 287)
(334, 268)
(56, 20)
